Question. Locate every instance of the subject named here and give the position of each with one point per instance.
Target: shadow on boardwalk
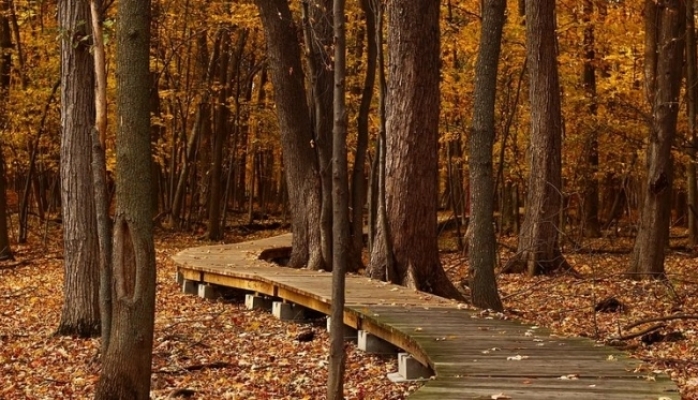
(472, 355)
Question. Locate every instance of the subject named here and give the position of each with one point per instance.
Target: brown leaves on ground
(202, 350)
(567, 306)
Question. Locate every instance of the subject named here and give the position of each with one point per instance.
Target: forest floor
(218, 350)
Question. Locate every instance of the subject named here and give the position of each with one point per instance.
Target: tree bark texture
(341, 242)
(483, 246)
(412, 122)
(318, 43)
(538, 250)
(127, 362)
(80, 314)
(297, 142)
(664, 44)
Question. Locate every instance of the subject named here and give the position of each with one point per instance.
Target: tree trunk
(411, 185)
(691, 110)
(590, 202)
(80, 315)
(358, 179)
(483, 246)
(539, 250)
(317, 26)
(341, 241)
(664, 41)
(127, 361)
(297, 143)
(220, 134)
(5, 68)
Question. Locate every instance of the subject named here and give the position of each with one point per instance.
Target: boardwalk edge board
(472, 357)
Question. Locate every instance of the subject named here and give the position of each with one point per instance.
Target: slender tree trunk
(664, 44)
(202, 112)
(5, 68)
(220, 133)
(297, 142)
(483, 246)
(341, 241)
(80, 315)
(358, 179)
(411, 183)
(590, 203)
(691, 109)
(99, 174)
(127, 361)
(539, 250)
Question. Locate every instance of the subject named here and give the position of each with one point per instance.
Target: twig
(196, 367)
(13, 265)
(658, 319)
(637, 334)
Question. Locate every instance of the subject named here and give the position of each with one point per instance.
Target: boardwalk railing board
(473, 357)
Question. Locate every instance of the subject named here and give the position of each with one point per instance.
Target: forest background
(215, 133)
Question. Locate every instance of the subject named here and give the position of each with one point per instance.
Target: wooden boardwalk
(472, 357)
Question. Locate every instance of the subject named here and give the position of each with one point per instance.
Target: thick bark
(127, 361)
(341, 242)
(411, 181)
(664, 44)
(297, 142)
(317, 25)
(80, 315)
(538, 250)
(590, 203)
(483, 246)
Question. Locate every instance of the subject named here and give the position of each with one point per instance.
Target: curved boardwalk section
(471, 356)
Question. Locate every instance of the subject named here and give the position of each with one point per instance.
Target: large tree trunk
(318, 41)
(80, 315)
(664, 44)
(483, 246)
(539, 250)
(411, 182)
(127, 361)
(297, 143)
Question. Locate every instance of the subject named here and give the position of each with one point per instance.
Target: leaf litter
(219, 350)
(202, 349)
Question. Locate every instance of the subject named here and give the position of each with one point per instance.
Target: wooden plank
(190, 274)
(241, 283)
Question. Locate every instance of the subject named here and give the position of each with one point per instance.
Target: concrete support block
(349, 332)
(190, 287)
(253, 302)
(411, 369)
(373, 344)
(288, 311)
(209, 292)
(179, 277)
